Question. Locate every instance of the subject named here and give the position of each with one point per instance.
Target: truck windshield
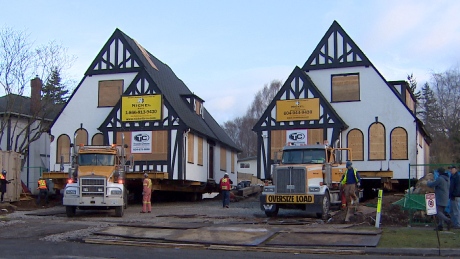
(304, 156)
(96, 159)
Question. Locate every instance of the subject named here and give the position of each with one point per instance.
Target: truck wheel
(119, 211)
(70, 211)
(271, 214)
(125, 200)
(325, 207)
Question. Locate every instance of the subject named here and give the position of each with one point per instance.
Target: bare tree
(240, 128)
(21, 61)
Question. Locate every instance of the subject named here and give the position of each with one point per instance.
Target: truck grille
(92, 186)
(290, 180)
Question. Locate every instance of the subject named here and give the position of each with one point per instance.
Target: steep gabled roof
(336, 49)
(132, 57)
(20, 106)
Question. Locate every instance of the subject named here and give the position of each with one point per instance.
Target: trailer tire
(119, 211)
(325, 207)
(272, 214)
(70, 211)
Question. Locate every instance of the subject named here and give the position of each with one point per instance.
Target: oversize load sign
(297, 109)
(141, 108)
(289, 199)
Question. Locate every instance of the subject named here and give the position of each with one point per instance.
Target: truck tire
(70, 211)
(274, 213)
(119, 211)
(325, 207)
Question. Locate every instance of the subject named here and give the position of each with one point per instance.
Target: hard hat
(349, 163)
(146, 175)
(4, 172)
(226, 174)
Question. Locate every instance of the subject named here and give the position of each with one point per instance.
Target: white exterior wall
(195, 172)
(376, 100)
(218, 174)
(83, 108)
(252, 167)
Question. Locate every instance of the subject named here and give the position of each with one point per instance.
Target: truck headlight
(70, 191)
(85, 189)
(269, 189)
(313, 189)
(115, 192)
(100, 189)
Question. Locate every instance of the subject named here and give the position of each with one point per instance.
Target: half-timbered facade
(338, 97)
(129, 96)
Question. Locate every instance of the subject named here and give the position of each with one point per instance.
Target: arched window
(377, 141)
(355, 141)
(398, 146)
(63, 149)
(82, 137)
(97, 140)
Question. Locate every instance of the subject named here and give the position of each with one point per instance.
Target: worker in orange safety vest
(225, 186)
(43, 190)
(146, 194)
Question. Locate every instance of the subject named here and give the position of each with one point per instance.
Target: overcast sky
(226, 51)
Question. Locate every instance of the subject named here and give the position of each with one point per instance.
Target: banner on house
(141, 108)
(296, 137)
(297, 109)
(141, 142)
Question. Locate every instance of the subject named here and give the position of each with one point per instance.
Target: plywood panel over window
(315, 136)
(398, 143)
(190, 148)
(355, 140)
(159, 146)
(409, 101)
(63, 149)
(345, 88)
(277, 142)
(377, 141)
(98, 140)
(200, 151)
(223, 159)
(81, 137)
(198, 107)
(233, 161)
(110, 92)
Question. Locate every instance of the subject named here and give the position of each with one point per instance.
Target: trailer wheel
(70, 211)
(119, 211)
(325, 207)
(274, 213)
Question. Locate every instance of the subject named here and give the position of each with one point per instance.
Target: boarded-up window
(223, 159)
(233, 162)
(198, 107)
(159, 146)
(409, 101)
(63, 149)
(398, 143)
(345, 88)
(81, 137)
(355, 141)
(190, 148)
(98, 140)
(110, 92)
(277, 142)
(377, 141)
(315, 136)
(200, 151)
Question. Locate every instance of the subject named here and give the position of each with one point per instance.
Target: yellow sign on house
(297, 109)
(141, 108)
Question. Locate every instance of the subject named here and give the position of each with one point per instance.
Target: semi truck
(97, 179)
(307, 178)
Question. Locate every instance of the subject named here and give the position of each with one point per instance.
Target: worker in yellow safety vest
(43, 190)
(350, 181)
(146, 194)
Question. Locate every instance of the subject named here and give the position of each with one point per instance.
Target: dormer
(194, 102)
(403, 89)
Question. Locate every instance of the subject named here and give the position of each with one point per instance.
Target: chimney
(36, 95)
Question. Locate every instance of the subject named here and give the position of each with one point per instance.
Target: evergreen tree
(429, 111)
(53, 91)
